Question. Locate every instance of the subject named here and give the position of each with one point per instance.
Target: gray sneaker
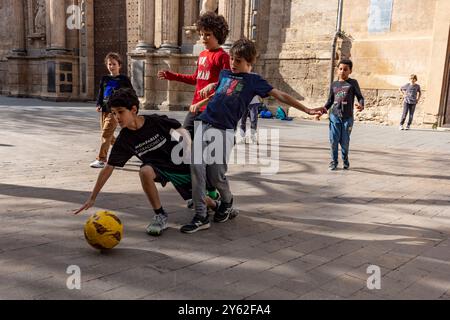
(158, 225)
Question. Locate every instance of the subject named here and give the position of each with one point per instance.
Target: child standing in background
(411, 96)
(108, 124)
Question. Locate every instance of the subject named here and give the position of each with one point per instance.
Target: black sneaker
(346, 165)
(197, 224)
(225, 212)
(217, 205)
(333, 166)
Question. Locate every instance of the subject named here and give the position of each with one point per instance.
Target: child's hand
(89, 204)
(99, 109)
(204, 93)
(317, 111)
(162, 75)
(194, 108)
(359, 107)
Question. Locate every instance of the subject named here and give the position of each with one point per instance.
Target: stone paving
(303, 233)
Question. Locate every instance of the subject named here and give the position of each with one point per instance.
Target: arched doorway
(110, 34)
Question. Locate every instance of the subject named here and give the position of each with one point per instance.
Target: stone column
(208, 5)
(56, 28)
(233, 11)
(146, 26)
(189, 38)
(169, 24)
(18, 35)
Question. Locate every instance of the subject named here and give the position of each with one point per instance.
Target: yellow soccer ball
(103, 230)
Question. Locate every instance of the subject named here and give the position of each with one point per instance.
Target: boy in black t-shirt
(152, 139)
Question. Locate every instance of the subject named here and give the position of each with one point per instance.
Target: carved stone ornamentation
(209, 5)
(37, 20)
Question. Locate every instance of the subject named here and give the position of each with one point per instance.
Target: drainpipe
(337, 35)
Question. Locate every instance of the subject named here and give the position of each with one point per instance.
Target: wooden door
(110, 35)
(447, 105)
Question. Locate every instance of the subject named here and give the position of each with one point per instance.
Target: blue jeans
(411, 108)
(340, 132)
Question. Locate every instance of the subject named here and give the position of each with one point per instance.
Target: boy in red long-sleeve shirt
(213, 30)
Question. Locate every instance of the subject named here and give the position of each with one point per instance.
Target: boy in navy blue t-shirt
(234, 92)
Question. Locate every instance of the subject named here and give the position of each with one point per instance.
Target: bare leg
(210, 203)
(148, 176)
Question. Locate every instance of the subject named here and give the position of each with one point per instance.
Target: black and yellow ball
(103, 230)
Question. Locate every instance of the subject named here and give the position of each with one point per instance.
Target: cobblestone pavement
(304, 233)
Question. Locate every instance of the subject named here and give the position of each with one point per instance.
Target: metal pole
(339, 17)
(336, 36)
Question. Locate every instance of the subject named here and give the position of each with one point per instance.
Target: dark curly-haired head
(215, 23)
(244, 48)
(125, 98)
(347, 62)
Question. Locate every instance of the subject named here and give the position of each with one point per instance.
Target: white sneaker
(254, 139)
(97, 164)
(242, 140)
(401, 128)
(158, 226)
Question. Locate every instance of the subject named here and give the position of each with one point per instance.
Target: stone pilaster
(169, 26)
(56, 30)
(146, 26)
(233, 11)
(189, 30)
(19, 25)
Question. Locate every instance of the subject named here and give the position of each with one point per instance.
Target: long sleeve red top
(209, 65)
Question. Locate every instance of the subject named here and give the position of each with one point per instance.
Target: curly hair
(244, 48)
(124, 98)
(215, 23)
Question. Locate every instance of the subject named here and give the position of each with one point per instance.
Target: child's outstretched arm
(328, 104)
(285, 98)
(103, 177)
(195, 107)
(206, 91)
(185, 78)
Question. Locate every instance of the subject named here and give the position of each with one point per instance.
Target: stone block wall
(162, 94)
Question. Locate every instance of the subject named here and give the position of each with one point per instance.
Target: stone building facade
(54, 49)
